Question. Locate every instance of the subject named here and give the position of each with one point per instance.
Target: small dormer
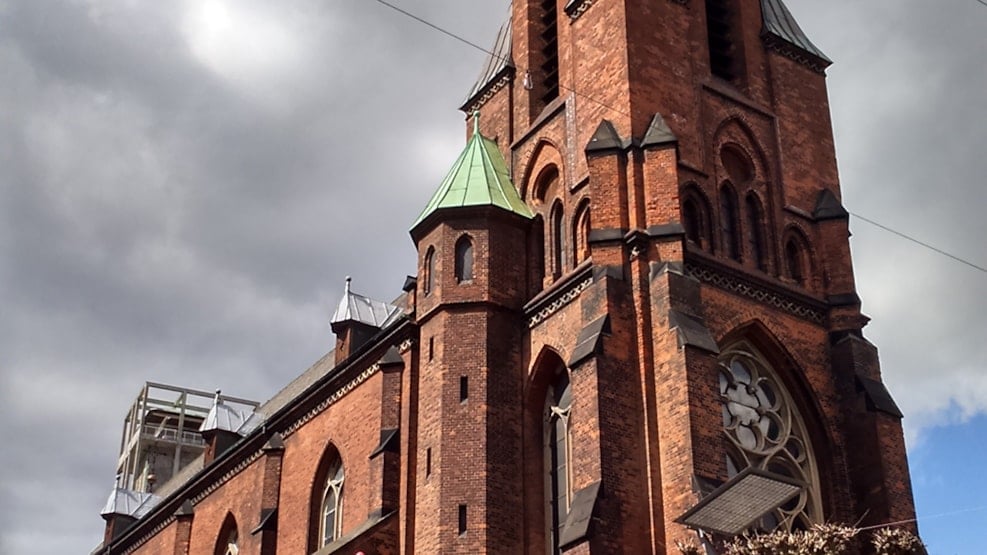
(123, 508)
(357, 319)
(221, 428)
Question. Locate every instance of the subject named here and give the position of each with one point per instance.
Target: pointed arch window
(794, 261)
(558, 408)
(580, 233)
(755, 232)
(228, 542)
(728, 222)
(464, 260)
(695, 219)
(331, 513)
(429, 270)
(765, 430)
(558, 239)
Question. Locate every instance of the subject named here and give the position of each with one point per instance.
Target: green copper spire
(478, 178)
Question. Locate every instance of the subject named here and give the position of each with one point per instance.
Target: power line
(916, 241)
(491, 53)
(607, 106)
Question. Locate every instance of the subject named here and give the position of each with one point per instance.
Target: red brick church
(634, 322)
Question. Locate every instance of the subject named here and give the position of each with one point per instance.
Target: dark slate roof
(499, 60)
(779, 23)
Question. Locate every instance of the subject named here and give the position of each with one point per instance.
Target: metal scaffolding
(161, 433)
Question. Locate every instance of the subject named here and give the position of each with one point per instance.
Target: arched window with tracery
(558, 454)
(728, 222)
(429, 270)
(580, 233)
(558, 239)
(228, 542)
(464, 260)
(765, 430)
(755, 232)
(327, 501)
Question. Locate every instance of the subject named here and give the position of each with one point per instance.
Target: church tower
(660, 318)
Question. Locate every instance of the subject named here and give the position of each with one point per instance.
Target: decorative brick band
(577, 8)
(337, 395)
(478, 102)
(564, 299)
(146, 537)
(405, 345)
(795, 54)
(227, 476)
(760, 294)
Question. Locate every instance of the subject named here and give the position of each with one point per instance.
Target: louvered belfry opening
(720, 17)
(550, 51)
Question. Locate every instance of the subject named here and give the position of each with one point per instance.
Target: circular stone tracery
(765, 431)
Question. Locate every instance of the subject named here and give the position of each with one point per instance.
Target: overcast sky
(184, 186)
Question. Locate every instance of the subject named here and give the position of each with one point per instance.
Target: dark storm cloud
(173, 211)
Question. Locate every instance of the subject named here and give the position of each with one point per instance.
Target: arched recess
(228, 541)
(757, 244)
(760, 350)
(580, 232)
(735, 133)
(730, 222)
(464, 259)
(548, 445)
(697, 217)
(327, 498)
(544, 159)
(798, 264)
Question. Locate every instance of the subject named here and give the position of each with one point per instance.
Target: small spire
(348, 281)
(476, 121)
(217, 400)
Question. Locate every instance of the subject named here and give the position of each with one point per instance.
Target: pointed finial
(217, 400)
(476, 121)
(348, 281)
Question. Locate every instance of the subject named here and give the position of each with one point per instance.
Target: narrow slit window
(464, 388)
(755, 232)
(462, 519)
(428, 462)
(728, 222)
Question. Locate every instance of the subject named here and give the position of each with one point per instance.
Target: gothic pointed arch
(544, 159)
(228, 540)
(764, 391)
(557, 232)
(734, 133)
(549, 405)
(798, 263)
(327, 497)
(464, 259)
(757, 244)
(428, 269)
(729, 222)
(697, 217)
(580, 232)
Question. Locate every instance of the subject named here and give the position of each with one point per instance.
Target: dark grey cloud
(184, 186)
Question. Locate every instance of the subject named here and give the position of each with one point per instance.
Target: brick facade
(439, 418)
